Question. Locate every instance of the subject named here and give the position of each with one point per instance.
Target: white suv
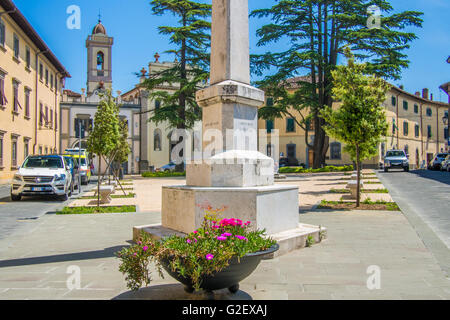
(42, 175)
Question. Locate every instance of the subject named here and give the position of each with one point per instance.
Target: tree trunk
(358, 180)
(98, 180)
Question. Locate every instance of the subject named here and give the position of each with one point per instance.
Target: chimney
(425, 93)
(418, 93)
(431, 97)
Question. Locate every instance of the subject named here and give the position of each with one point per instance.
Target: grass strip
(119, 196)
(94, 210)
(163, 174)
(365, 205)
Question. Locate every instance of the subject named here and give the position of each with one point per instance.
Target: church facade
(80, 108)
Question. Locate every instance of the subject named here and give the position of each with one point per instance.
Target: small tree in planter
(360, 121)
(104, 137)
(198, 259)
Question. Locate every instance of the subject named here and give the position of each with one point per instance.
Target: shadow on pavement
(40, 199)
(438, 176)
(98, 254)
(176, 292)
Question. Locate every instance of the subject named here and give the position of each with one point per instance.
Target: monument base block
(273, 208)
(288, 240)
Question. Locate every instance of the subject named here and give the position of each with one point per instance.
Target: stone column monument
(236, 174)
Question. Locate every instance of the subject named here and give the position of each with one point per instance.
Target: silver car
(396, 159)
(445, 166)
(42, 175)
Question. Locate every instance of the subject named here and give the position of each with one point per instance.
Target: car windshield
(69, 161)
(395, 154)
(441, 155)
(43, 162)
(77, 160)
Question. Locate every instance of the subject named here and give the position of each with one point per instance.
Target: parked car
(169, 167)
(42, 175)
(396, 159)
(74, 170)
(436, 163)
(446, 164)
(84, 169)
(288, 162)
(284, 162)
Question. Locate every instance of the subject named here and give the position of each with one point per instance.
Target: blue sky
(136, 38)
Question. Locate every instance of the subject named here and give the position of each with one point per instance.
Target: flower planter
(238, 270)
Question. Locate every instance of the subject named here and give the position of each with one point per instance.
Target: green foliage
(162, 174)
(91, 210)
(317, 32)
(324, 169)
(123, 148)
(204, 252)
(191, 41)
(360, 121)
(310, 241)
(104, 137)
(120, 196)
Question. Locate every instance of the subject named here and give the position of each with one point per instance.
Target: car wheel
(71, 189)
(63, 197)
(386, 169)
(406, 169)
(16, 198)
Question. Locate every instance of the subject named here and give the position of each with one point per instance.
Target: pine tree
(191, 41)
(317, 31)
(360, 122)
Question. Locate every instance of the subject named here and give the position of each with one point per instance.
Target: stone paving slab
(35, 266)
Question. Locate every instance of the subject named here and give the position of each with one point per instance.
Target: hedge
(162, 174)
(324, 169)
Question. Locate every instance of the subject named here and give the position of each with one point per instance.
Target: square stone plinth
(274, 208)
(234, 168)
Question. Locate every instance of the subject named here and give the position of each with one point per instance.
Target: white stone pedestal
(274, 208)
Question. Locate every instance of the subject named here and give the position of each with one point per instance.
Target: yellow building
(31, 78)
(415, 125)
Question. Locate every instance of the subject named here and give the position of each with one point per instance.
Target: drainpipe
(56, 106)
(398, 123)
(36, 123)
(421, 129)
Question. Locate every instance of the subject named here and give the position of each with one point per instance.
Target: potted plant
(218, 255)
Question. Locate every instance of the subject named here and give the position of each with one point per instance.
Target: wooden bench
(105, 194)
(353, 186)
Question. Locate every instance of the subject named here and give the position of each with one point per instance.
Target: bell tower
(99, 66)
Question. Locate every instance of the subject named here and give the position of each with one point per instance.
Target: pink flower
(195, 231)
(247, 223)
(226, 234)
(241, 238)
(135, 254)
(209, 256)
(188, 241)
(221, 238)
(145, 248)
